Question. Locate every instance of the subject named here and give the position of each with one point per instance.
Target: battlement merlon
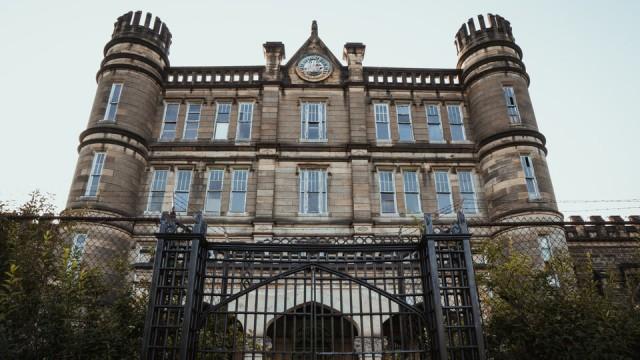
(131, 27)
(599, 229)
(484, 31)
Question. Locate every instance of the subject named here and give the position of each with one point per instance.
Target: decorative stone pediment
(314, 63)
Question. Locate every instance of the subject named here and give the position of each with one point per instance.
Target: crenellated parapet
(598, 229)
(132, 26)
(482, 30)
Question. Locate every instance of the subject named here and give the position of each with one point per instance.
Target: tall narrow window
(77, 248)
(405, 129)
(238, 191)
(546, 251)
(181, 191)
(245, 115)
(443, 192)
(467, 192)
(381, 112)
(313, 123)
(455, 122)
(387, 192)
(156, 195)
(223, 114)
(112, 105)
(96, 172)
(512, 105)
(530, 177)
(192, 121)
(434, 124)
(169, 121)
(313, 191)
(411, 192)
(213, 203)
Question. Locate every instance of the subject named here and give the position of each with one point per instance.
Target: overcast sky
(582, 57)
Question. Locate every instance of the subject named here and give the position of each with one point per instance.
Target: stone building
(310, 144)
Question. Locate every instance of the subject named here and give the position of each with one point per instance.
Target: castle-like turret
(510, 147)
(113, 150)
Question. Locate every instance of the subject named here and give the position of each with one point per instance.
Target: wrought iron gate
(322, 297)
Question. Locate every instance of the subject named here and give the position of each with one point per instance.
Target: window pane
(313, 204)
(442, 181)
(155, 203)
(444, 204)
(457, 132)
(222, 130)
(191, 131)
(405, 132)
(169, 131)
(388, 203)
(410, 181)
(435, 133)
(115, 93)
(180, 201)
(469, 203)
(213, 203)
(404, 115)
(171, 112)
(111, 112)
(382, 131)
(466, 182)
(244, 130)
(237, 202)
(314, 131)
(413, 203)
(159, 180)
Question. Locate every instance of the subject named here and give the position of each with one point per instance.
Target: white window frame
(303, 191)
(471, 191)
(187, 121)
(412, 137)
(380, 191)
(178, 189)
(152, 191)
(527, 164)
(439, 191)
(216, 123)
(113, 104)
(322, 121)
(418, 192)
(77, 250)
(546, 249)
(376, 106)
(164, 121)
(233, 190)
(429, 125)
(221, 191)
(240, 112)
(512, 105)
(452, 124)
(95, 174)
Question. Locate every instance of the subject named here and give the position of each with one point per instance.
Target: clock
(314, 68)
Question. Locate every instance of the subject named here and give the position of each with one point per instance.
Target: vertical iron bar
(188, 312)
(153, 291)
(475, 301)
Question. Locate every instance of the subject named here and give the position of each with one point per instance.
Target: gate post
(175, 296)
(451, 293)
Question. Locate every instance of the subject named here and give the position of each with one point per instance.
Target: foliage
(52, 305)
(541, 312)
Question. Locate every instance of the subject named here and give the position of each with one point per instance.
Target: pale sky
(582, 56)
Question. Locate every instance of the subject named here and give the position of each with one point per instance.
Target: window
(96, 172)
(381, 112)
(546, 251)
(192, 121)
(405, 130)
(530, 177)
(170, 121)
(245, 115)
(313, 123)
(387, 192)
(77, 248)
(156, 195)
(411, 192)
(434, 124)
(443, 192)
(112, 105)
(223, 114)
(238, 191)
(512, 105)
(313, 191)
(213, 203)
(181, 191)
(467, 192)
(455, 123)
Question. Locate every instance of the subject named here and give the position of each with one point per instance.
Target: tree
(535, 312)
(53, 306)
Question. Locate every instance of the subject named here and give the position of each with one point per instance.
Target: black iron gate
(314, 297)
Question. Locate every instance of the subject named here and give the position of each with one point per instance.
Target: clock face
(314, 68)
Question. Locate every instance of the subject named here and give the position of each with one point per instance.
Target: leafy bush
(52, 306)
(543, 313)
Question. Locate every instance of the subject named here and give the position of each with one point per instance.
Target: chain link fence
(76, 287)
